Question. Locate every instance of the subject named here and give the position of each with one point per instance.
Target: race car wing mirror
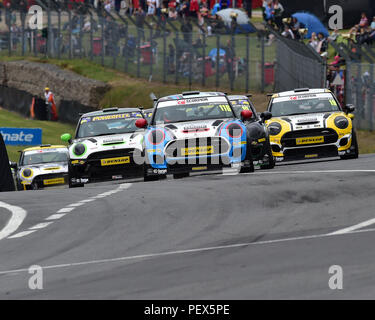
(141, 123)
(66, 137)
(246, 114)
(350, 108)
(266, 115)
(13, 165)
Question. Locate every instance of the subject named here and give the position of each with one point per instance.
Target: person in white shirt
(314, 41)
(288, 33)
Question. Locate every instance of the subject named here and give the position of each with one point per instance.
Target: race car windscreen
(192, 110)
(43, 156)
(108, 124)
(301, 104)
(242, 104)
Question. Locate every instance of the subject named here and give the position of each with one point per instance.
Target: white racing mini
(195, 131)
(104, 146)
(41, 167)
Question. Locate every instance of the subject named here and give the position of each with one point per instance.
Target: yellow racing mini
(41, 167)
(309, 124)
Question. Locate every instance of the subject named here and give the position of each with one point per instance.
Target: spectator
(184, 11)
(364, 21)
(204, 10)
(268, 11)
(217, 25)
(117, 6)
(216, 8)
(233, 24)
(229, 59)
(334, 35)
(193, 8)
(172, 13)
(279, 11)
(323, 45)
(151, 7)
(200, 23)
(108, 6)
(314, 41)
(295, 26)
(373, 24)
(288, 33)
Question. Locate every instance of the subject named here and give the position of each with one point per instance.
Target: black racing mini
(257, 132)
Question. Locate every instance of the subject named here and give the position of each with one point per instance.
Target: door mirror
(266, 115)
(13, 165)
(141, 123)
(66, 137)
(246, 114)
(350, 108)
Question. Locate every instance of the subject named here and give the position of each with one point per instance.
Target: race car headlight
(27, 173)
(234, 130)
(341, 122)
(274, 128)
(79, 149)
(156, 137)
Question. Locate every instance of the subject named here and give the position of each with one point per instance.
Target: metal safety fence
(298, 66)
(178, 51)
(360, 91)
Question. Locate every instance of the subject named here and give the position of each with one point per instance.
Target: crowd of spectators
(170, 8)
(363, 32)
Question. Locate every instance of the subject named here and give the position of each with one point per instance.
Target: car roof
(44, 147)
(238, 96)
(110, 111)
(190, 95)
(301, 91)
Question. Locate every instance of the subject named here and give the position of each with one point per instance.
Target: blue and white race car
(195, 131)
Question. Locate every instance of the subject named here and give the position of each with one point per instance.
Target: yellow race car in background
(41, 167)
(309, 124)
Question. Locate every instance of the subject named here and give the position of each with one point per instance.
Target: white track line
(40, 225)
(180, 252)
(69, 208)
(355, 227)
(56, 216)
(312, 171)
(65, 210)
(21, 234)
(18, 215)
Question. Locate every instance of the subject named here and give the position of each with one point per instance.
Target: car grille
(311, 152)
(219, 145)
(289, 139)
(110, 154)
(39, 179)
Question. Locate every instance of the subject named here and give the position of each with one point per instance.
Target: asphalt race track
(267, 235)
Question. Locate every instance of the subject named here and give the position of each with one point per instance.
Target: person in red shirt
(194, 8)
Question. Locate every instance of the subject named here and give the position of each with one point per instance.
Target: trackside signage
(21, 136)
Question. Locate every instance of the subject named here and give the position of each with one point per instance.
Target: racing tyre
(249, 158)
(181, 175)
(355, 152)
(271, 162)
(76, 185)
